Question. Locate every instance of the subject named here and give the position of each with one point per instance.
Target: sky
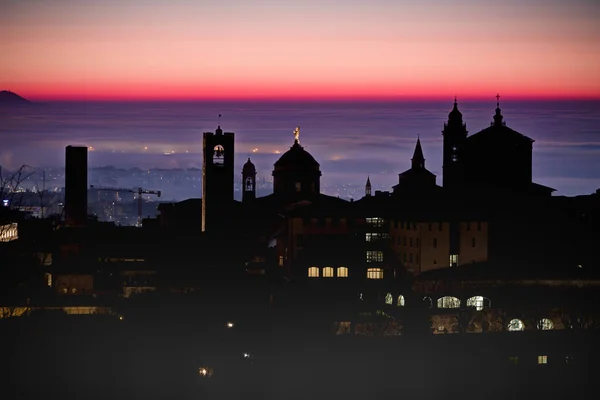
(233, 49)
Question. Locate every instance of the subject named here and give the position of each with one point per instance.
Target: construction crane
(139, 192)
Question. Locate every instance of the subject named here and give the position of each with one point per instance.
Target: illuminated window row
(374, 256)
(389, 299)
(328, 272)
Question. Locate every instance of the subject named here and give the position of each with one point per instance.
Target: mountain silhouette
(9, 98)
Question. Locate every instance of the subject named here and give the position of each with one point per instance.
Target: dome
(296, 157)
(296, 173)
(249, 168)
(455, 114)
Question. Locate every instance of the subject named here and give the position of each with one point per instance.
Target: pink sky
(305, 48)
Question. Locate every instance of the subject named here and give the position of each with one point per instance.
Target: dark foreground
(95, 358)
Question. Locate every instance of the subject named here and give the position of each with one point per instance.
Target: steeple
(418, 161)
(498, 118)
(368, 187)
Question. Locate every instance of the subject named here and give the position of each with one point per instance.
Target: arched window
(400, 301)
(313, 272)
(479, 302)
(516, 325)
(342, 272)
(545, 324)
(374, 273)
(219, 155)
(427, 300)
(328, 272)
(448, 302)
(249, 184)
(389, 299)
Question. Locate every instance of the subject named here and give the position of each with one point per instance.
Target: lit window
(400, 301)
(374, 273)
(313, 272)
(516, 325)
(542, 359)
(479, 302)
(328, 272)
(375, 222)
(453, 260)
(218, 155)
(374, 237)
(448, 302)
(514, 360)
(281, 261)
(49, 279)
(545, 324)
(73, 290)
(374, 256)
(389, 299)
(342, 272)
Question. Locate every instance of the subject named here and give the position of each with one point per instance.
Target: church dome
(455, 114)
(296, 173)
(249, 168)
(296, 157)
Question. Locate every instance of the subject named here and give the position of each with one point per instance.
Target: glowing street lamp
(230, 324)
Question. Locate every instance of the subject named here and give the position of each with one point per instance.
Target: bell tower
(248, 182)
(455, 132)
(217, 177)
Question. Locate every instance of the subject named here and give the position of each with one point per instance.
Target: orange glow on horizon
(153, 92)
(299, 49)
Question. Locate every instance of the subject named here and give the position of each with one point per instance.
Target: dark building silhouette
(455, 133)
(296, 174)
(76, 186)
(217, 176)
(248, 181)
(368, 187)
(496, 157)
(417, 178)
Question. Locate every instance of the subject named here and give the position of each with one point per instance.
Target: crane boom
(139, 192)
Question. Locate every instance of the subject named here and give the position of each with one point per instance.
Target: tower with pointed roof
(217, 177)
(368, 187)
(417, 178)
(454, 133)
(248, 182)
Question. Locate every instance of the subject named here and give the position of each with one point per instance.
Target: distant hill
(7, 98)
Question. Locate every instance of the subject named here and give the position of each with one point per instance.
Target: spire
(219, 131)
(368, 187)
(498, 118)
(418, 161)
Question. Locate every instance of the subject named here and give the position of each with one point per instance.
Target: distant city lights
(230, 324)
(254, 150)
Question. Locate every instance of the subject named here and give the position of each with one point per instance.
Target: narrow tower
(76, 185)
(368, 187)
(455, 133)
(418, 160)
(217, 177)
(248, 182)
